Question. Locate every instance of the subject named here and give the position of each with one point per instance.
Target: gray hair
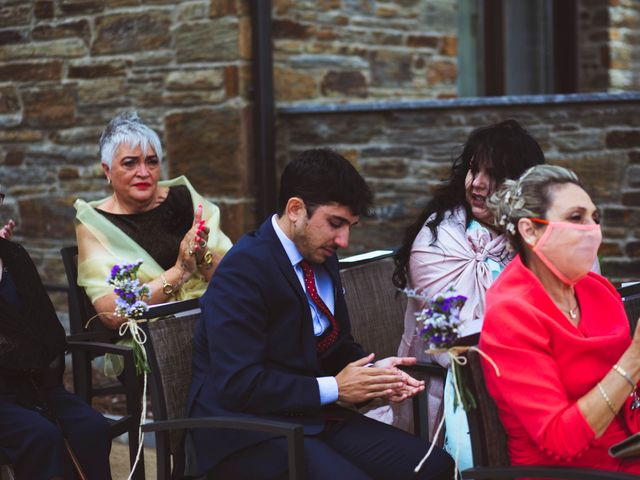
(527, 197)
(127, 128)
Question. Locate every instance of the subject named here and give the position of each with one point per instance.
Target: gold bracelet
(168, 288)
(606, 399)
(617, 368)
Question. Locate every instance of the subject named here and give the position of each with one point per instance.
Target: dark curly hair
(505, 150)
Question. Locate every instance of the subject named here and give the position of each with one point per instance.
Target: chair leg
(163, 456)
(82, 385)
(420, 413)
(134, 443)
(134, 407)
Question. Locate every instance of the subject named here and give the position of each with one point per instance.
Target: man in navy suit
(274, 342)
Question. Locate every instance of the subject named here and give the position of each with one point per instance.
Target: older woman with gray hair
(167, 224)
(557, 331)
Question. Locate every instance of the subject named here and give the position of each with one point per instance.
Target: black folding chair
(169, 349)
(89, 343)
(489, 440)
(376, 311)
(80, 311)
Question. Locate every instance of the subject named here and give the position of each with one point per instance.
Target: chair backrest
(80, 311)
(169, 348)
(80, 307)
(631, 301)
(375, 309)
(488, 438)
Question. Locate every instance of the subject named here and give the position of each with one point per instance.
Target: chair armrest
(236, 423)
(100, 348)
(171, 308)
(128, 378)
(293, 432)
(420, 403)
(93, 336)
(486, 473)
(433, 369)
(633, 289)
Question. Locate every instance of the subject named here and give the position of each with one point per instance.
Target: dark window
(517, 47)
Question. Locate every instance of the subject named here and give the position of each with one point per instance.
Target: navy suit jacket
(254, 348)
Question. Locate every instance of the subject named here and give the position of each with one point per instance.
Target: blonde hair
(527, 197)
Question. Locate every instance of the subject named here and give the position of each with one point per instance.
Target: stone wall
(594, 54)
(68, 66)
(624, 35)
(608, 45)
(344, 50)
(404, 153)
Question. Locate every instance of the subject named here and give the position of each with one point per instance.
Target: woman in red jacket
(558, 332)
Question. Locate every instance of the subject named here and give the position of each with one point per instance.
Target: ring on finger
(203, 243)
(191, 252)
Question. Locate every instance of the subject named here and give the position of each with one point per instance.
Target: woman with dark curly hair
(455, 242)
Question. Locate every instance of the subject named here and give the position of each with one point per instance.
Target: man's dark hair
(321, 176)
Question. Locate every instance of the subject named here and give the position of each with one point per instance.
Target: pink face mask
(567, 249)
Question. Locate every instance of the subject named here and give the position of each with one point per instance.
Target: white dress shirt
(327, 385)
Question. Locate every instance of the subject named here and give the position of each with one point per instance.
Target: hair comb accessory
(514, 201)
(513, 198)
(517, 202)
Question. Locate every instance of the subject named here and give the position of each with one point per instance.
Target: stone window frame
(512, 100)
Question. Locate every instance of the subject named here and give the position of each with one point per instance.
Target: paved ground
(120, 466)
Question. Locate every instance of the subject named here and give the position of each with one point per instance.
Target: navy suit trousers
(35, 446)
(356, 448)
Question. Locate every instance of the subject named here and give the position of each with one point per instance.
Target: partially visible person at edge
(167, 224)
(455, 242)
(37, 414)
(558, 332)
(275, 343)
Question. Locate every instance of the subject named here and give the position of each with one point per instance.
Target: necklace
(566, 309)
